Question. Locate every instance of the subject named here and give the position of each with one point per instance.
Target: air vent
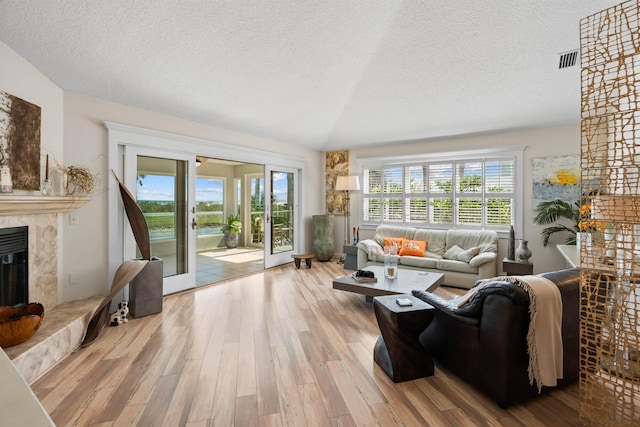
(567, 59)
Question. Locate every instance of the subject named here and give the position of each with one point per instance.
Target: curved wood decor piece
(127, 271)
(136, 219)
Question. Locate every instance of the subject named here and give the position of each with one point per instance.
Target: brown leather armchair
(484, 342)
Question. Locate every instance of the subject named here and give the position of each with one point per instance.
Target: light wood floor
(275, 348)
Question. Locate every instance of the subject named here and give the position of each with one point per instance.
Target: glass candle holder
(390, 262)
(46, 187)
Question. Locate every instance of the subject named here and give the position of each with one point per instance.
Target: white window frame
(514, 152)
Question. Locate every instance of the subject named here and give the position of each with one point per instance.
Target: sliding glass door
(164, 188)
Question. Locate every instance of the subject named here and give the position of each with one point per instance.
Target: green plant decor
(233, 225)
(554, 210)
(579, 213)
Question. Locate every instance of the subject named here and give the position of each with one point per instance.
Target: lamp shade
(348, 183)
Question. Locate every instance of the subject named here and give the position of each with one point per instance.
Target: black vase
(511, 250)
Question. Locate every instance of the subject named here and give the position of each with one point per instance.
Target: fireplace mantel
(26, 205)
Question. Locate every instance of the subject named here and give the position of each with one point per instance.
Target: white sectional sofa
(463, 256)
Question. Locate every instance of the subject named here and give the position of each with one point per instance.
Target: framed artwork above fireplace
(20, 141)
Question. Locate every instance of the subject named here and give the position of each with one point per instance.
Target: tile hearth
(61, 332)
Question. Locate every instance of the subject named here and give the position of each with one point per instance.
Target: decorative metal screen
(610, 163)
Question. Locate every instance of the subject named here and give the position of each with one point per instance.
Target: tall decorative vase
(323, 247)
(511, 250)
(523, 252)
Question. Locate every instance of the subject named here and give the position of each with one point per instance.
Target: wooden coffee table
(406, 281)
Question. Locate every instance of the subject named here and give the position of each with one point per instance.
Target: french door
(280, 229)
(281, 215)
(163, 184)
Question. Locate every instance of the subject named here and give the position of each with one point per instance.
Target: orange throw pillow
(413, 248)
(394, 241)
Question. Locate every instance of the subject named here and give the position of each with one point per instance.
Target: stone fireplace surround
(64, 324)
(43, 255)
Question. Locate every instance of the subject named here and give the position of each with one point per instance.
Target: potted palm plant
(577, 213)
(231, 230)
(550, 212)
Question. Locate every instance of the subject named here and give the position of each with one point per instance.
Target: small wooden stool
(306, 257)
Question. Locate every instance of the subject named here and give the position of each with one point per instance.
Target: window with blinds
(468, 193)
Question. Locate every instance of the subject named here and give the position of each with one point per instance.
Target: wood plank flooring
(277, 348)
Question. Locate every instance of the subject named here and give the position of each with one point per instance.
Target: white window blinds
(469, 193)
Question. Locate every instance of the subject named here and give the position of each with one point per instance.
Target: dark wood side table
(398, 351)
(351, 257)
(306, 257)
(516, 268)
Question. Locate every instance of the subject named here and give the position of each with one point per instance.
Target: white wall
(544, 142)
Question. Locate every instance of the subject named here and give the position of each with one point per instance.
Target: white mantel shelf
(27, 205)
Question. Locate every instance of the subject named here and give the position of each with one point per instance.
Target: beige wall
(539, 142)
(21, 79)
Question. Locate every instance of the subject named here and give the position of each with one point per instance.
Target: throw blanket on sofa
(374, 250)
(544, 338)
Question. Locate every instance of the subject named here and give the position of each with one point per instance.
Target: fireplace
(14, 262)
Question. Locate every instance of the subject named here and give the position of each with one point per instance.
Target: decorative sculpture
(128, 270)
(511, 250)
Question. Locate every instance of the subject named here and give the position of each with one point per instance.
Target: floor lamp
(348, 184)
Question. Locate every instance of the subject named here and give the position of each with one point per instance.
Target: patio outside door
(164, 187)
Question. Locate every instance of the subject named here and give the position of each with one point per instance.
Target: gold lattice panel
(610, 163)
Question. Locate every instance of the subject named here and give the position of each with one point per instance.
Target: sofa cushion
(436, 239)
(467, 255)
(453, 265)
(486, 240)
(421, 262)
(396, 231)
(452, 252)
(413, 248)
(455, 252)
(428, 254)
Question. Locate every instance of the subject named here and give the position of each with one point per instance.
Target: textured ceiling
(321, 74)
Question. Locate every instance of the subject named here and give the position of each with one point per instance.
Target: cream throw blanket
(544, 339)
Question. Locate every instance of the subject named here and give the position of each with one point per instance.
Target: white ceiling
(321, 74)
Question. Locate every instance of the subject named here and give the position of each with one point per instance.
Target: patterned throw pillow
(393, 241)
(413, 248)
